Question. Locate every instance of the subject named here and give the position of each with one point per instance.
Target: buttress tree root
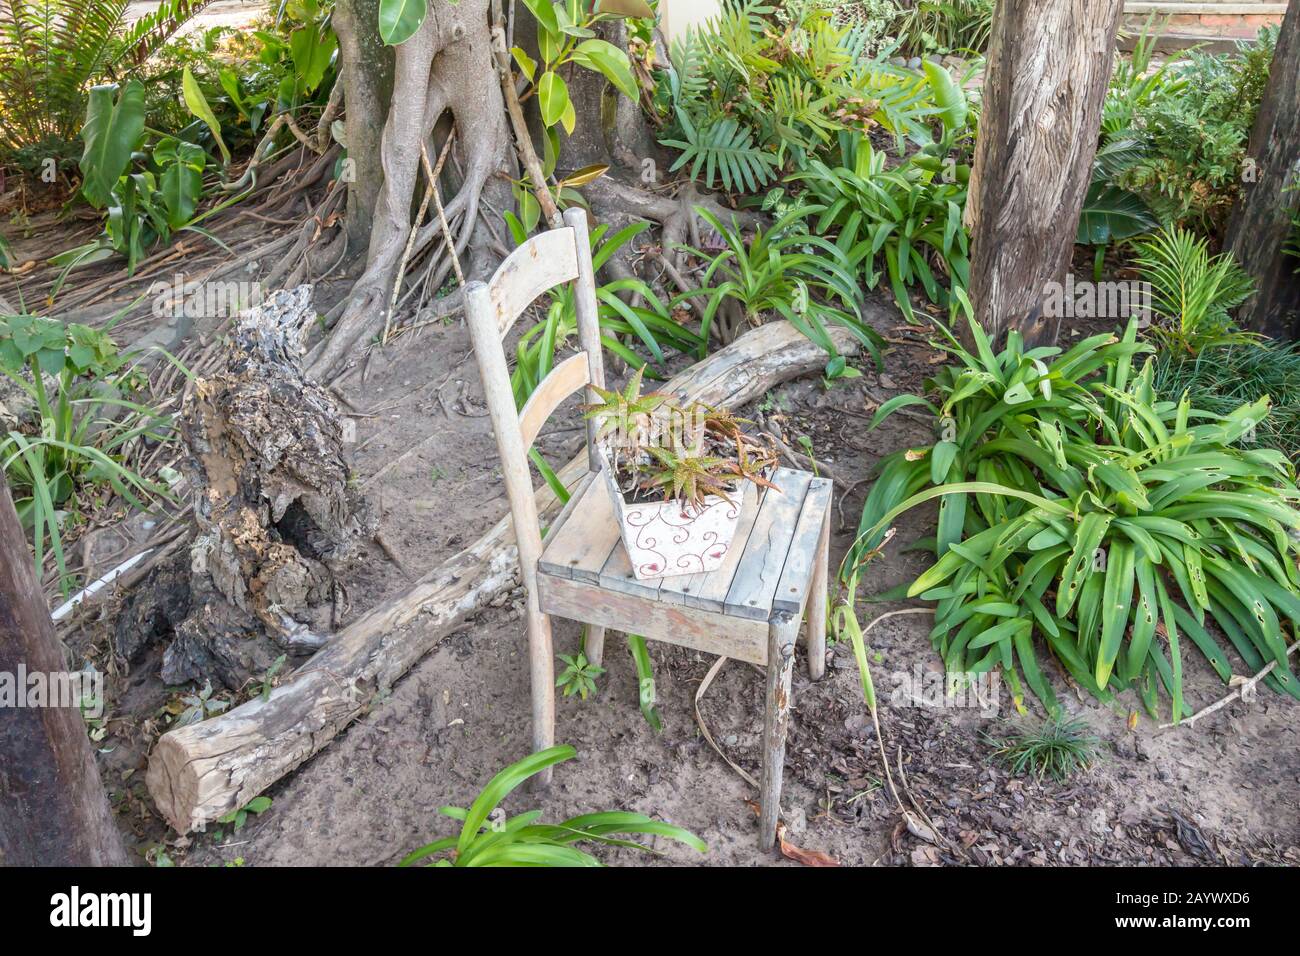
(443, 88)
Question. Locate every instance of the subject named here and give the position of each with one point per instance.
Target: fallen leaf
(800, 855)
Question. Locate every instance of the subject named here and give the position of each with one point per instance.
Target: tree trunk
(1048, 68)
(200, 772)
(446, 67)
(52, 806)
(1262, 220)
(367, 78)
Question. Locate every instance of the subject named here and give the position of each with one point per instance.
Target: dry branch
(202, 771)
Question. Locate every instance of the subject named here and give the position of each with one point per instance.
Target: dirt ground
(1223, 792)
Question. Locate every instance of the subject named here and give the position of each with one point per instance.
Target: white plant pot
(666, 538)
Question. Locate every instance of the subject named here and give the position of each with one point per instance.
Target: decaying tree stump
(199, 772)
(276, 510)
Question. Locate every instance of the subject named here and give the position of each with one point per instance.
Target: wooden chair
(749, 609)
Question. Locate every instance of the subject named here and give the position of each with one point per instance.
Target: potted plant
(679, 476)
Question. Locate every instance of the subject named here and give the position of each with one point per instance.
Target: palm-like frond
(1192, 289)
(725, 151)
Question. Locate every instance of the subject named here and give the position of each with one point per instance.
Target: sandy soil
(1224, 792)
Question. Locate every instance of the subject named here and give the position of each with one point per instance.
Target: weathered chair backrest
(541, 263)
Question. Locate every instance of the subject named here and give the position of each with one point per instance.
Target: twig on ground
(1242, 692)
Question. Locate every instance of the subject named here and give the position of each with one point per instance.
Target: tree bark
(445, 68)
(1048, 68)
(200, 772)
(276, 511)
(1261, 221)
(53, 811)
(367, 76)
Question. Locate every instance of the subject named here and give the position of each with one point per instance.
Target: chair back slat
(546, 260)
(565, 379)
(541, 263)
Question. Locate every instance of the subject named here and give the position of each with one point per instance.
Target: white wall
(679, 16)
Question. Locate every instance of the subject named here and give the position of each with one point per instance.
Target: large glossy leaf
(399, 19)
(197, 104)
(112, 129)
(608, 60)
(1111, 214)
(182, 187)
(948, 95)
(311, 53)
(553, 95)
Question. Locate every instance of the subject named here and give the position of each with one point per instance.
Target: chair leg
(593, 645)
(817, 604)
(542, 674)
(781, 636)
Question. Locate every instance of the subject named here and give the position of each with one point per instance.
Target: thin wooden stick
(430, 191)
(442, 213)
(523, 142)
(1242, 691)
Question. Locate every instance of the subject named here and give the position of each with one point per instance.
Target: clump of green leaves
(236, 819)
(903, 224)
(1191, 121)
(52, 52)
(768, 86)
(488, 837)
(1080, 509)
(803, 278)
(1220, 379)
(579, 675)
(940, 27)
(1057, 748)
(85, 426)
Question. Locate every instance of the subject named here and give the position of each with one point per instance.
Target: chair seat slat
(761, 565)
(796, 576)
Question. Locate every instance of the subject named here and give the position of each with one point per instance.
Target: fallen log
(202, 771)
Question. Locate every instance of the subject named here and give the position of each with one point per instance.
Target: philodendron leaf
(110, 133)
(311, 54)
(399, 19)
(197, 104)
(182, 187)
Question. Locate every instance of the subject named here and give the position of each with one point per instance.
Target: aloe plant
(1080, 509)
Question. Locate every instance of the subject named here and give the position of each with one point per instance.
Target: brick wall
(1221, 18)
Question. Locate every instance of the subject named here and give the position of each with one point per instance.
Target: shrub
(53, 51)
(754, 94)
(84, 431)
(1057, 749)
(1220, 379)
(1193, 121)
(1078, 506)
(785, 271)
(1192, 291)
